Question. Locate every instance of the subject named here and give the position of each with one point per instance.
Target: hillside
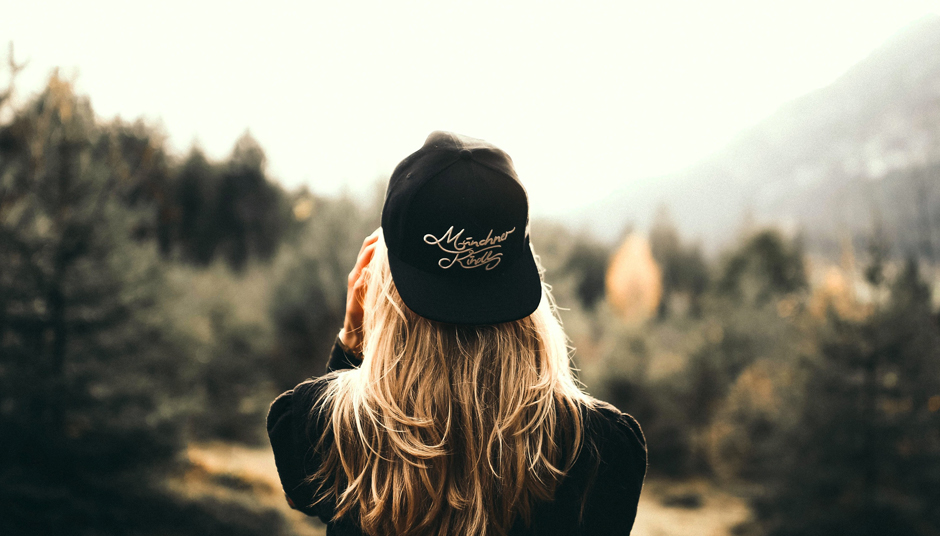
(829, 163)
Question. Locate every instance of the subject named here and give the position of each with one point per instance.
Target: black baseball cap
(456, 223)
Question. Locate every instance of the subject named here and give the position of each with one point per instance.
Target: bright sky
(584, 96)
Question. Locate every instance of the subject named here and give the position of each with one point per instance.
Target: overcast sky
(584, 96)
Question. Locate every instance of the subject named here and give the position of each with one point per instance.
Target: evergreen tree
(766, 267)
(249, 211)
(228, 209)
(864, 458)
(684, 269)
(193, 228)
(92, 379)
(81, 353)
(587, 263)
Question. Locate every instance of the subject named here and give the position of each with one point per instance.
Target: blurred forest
(152, 305)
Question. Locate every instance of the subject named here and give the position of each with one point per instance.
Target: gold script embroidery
(468, 252)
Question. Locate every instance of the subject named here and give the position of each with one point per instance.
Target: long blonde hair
(448, 429)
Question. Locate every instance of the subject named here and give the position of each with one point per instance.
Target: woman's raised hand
(351, 334)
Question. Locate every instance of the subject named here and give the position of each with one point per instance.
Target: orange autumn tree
(634, 281)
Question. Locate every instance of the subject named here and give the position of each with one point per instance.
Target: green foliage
(685, 273)
(878, 256)
(588, 265)
(83, 379)
(765, 267)
(219, 315)
(135, 154)
(309, 300)
(865, 455)
(734, 340)
(247, 209)
(228, 209)
(95, 378)
(665, 422)
(575, 264)
(684, 407)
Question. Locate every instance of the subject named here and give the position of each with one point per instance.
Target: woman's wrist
(350, 342)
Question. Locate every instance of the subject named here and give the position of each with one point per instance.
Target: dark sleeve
(613, 497)
(294, 454)
(293, 435)
(340, 359)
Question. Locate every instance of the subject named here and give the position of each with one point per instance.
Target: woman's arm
(288, 422)
(351, 334)
(347, 349)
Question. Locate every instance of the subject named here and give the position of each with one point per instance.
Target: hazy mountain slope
(870, 142)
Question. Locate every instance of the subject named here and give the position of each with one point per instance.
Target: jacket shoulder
(615, 448)
(297, 403)
(617, 422)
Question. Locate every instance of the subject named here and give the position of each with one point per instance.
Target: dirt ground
(241, 474)
(248, 476)
(696, 508)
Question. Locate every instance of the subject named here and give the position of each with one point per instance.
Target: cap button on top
(465, 154)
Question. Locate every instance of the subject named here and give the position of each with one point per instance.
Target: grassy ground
(248, 476)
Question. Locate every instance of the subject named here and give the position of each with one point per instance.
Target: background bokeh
(769, 314)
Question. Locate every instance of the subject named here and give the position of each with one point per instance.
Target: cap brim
(512, 294)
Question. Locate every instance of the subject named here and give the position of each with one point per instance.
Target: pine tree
(93, 380)
(865, 456)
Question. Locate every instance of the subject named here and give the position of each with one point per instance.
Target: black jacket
(598, 496)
